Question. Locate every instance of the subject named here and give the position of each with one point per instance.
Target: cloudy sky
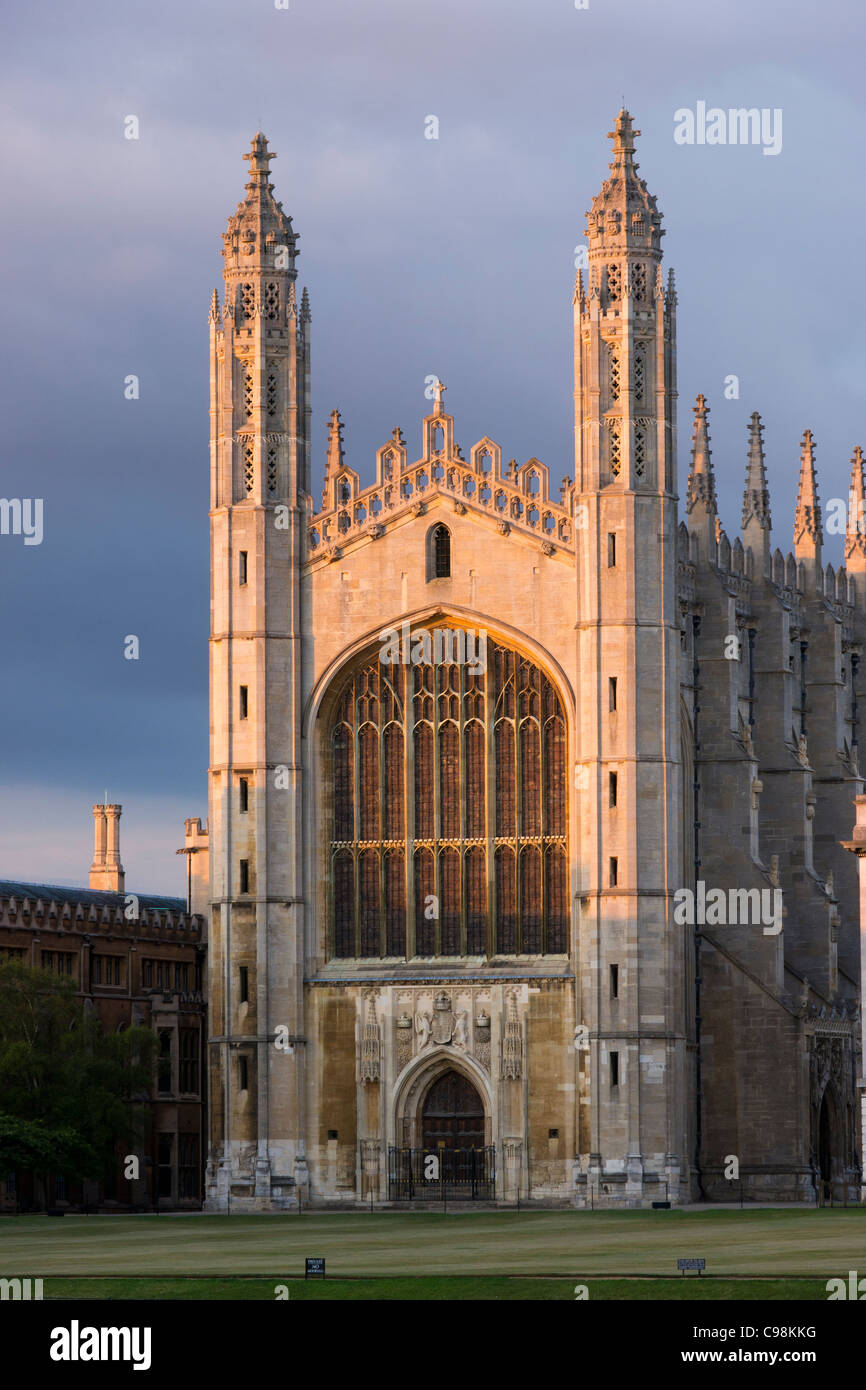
(452, 256)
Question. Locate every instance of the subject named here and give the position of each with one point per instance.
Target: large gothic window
(448, 816)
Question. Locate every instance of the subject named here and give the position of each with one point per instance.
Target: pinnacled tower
(633, 959)
(260, 469)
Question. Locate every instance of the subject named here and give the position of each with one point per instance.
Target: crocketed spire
(756, 497)
(702, 484)
(335, 456)
(808, 535)
(701, 492)
(855, 534)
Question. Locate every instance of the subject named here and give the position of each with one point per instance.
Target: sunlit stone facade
(442, 892)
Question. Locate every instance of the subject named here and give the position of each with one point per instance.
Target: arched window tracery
(449, 809)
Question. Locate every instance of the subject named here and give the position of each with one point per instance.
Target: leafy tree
(69, 1091)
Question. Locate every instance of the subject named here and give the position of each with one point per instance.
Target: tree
(69, 1091)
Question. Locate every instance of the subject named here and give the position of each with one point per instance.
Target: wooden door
(453, 1114)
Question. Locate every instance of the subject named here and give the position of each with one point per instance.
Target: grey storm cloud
(452, 256)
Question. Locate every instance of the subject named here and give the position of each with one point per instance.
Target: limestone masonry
(441, 892)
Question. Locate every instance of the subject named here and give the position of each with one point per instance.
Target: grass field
(453, 1289)
(403, 1247)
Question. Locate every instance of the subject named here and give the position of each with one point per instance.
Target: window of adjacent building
(244, 701)
(242, 567)
(163, 1083)
(165, 974)
(614, 870)
(60, 1187)
(611, 549)
(611, 788)
(243, 1073)
(187, 1167)
(12, 952)
(244, 794)
(164, 1155)
(107, 970)
(614, 1069)
(614, 982)
(243, 972)
(245, 875)
(611, 692)
(188, 1044)
(409, 855)
(58, 961)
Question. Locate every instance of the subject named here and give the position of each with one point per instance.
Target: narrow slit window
(611, 549)
(243, 1073)
(244, 701)
(242, 567)
(614, 982)
(244, 794)
(611, 691)
(245, 875)
(244, 993)
(614, 870)
(614, 1069)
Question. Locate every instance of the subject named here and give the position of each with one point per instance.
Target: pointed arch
(455, 778)
(438, 558)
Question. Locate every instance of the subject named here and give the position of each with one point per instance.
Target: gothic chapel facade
(442, 893)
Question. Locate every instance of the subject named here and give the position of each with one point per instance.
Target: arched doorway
(452, 1115)
(446, 1153)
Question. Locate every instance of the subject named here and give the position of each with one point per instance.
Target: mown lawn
(817, 1243)
(421, 1289)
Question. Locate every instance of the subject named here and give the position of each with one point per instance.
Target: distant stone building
(136, 959)
(517, 911)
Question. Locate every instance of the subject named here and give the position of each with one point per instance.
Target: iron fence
(435, 1175)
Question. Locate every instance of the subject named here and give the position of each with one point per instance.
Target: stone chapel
(479, 741)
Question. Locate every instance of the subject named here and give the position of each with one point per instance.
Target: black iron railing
(437, 1175)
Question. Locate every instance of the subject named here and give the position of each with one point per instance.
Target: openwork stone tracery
(449, 811)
